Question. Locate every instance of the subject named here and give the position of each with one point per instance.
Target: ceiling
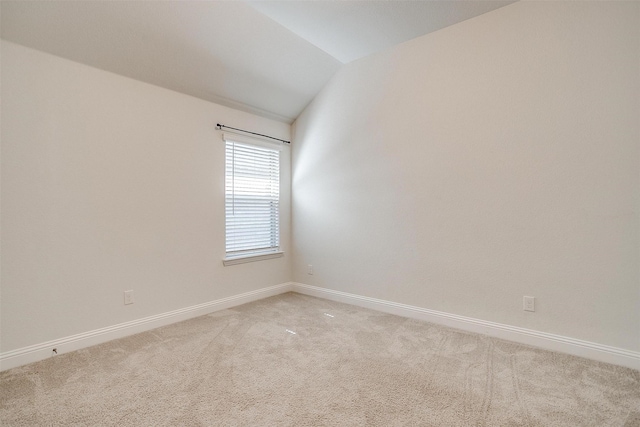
(266, 57)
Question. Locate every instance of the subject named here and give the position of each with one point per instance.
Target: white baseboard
(586, 349)
(34, 353)
(576, 347)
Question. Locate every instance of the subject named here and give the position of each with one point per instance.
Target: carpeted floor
(294, 360)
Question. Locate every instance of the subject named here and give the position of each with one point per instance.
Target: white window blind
(252, 198)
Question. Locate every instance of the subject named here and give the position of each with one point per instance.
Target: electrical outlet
(128, 297)
(310, 269)
(529, 304)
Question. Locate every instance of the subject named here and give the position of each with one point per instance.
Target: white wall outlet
(309, 269)
(128, 297)
(529, 304)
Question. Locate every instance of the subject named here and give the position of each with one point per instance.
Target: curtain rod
(253, 133)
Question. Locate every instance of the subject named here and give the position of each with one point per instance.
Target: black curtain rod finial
(252, 133)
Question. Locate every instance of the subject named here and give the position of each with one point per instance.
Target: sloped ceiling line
(269, 58)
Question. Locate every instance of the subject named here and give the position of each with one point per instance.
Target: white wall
(110, 184)
(490, 160)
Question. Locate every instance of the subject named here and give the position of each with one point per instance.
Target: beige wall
(490, 160)
(458, 172)
(110, 184)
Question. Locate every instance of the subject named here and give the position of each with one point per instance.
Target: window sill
(251, 258)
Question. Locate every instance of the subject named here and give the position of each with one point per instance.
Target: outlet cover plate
(529, 303)
(128, 297)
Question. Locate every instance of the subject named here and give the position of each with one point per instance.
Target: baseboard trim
(37, 352)
(562, 344)
(576, 347)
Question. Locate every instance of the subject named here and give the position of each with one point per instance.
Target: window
(252, 198)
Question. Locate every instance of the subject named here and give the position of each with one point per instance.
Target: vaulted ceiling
(266, 57)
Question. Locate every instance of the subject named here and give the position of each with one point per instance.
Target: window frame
(254, 254)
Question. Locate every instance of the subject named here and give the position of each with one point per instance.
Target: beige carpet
(294, 360)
